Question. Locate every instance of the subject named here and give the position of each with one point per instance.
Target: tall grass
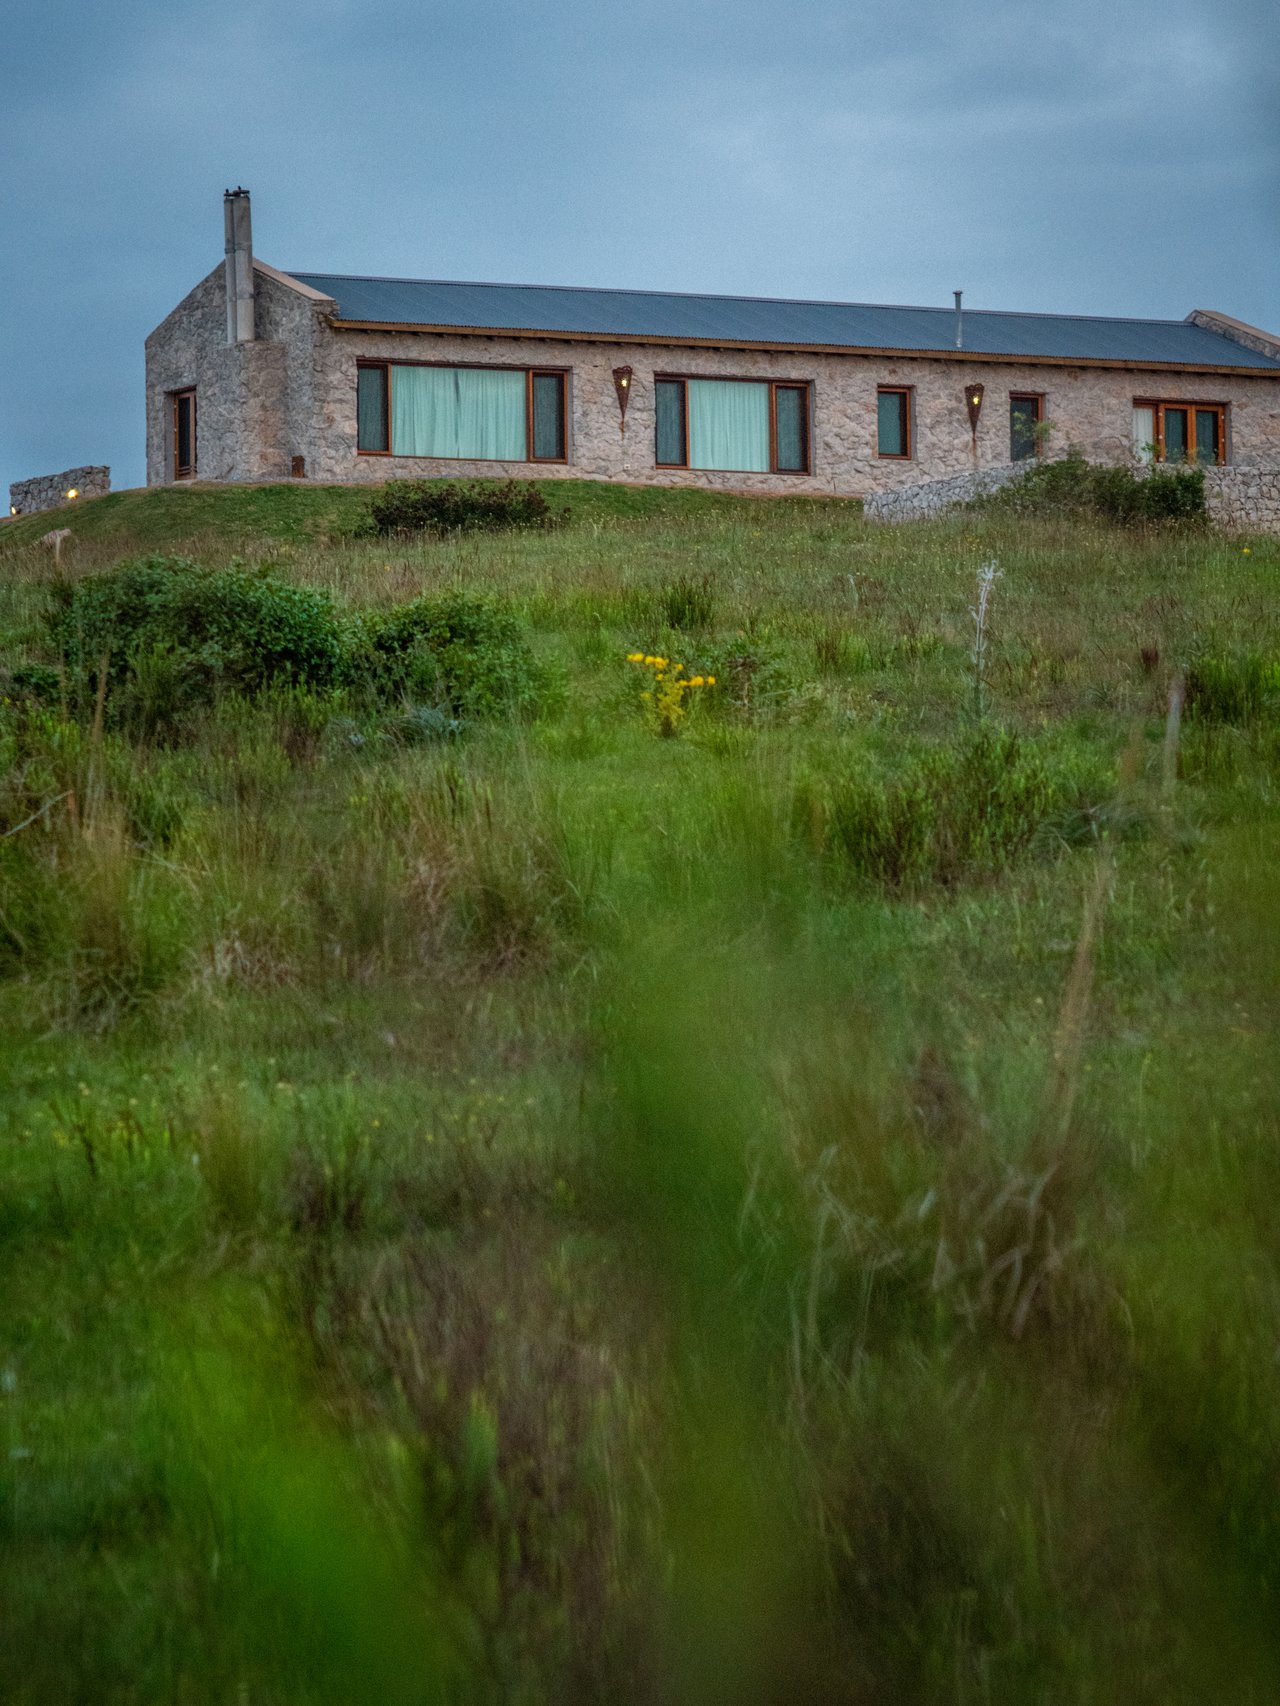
(537, 1212)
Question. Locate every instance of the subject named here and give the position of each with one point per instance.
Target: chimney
(239, 230)
(959, 295)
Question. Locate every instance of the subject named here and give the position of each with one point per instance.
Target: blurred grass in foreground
(782, 1214)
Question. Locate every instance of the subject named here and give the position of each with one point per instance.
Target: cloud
(1089, 157)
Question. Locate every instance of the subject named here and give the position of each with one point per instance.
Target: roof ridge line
(781, 301)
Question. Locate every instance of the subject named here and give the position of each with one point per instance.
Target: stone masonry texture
(1245, 500)
(49, 491)
(292, 393)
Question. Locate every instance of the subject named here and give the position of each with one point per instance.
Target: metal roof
(788, 325)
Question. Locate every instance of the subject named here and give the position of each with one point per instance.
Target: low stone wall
(1247, 500)
(935, 497)
(49, 491)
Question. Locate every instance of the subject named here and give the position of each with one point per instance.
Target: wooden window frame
(1037, 444)
(560, 373)
(187, 393)
(775, 385)
(1158, 405)
(908, 393)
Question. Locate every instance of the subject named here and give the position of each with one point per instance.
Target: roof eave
(1130, 363)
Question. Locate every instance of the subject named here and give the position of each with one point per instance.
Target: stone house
(260, 374)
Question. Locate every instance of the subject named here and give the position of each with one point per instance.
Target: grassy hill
(230, 516)
(524, 1181)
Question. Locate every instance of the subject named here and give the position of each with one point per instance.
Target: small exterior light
(74, 492)
(13, 509)
(622, 377)
(973, 402)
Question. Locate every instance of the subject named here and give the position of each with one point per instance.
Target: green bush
(459, 654)
(171, 635)
(37, 681)
(422, 506)
(1070, 485)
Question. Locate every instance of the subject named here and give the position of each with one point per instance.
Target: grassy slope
(142, 520)
(524, 1208)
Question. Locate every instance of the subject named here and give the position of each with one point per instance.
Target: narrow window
(184, 435)
(893, 422)
(732, 426)
(1208, 435)
(1026, 411)
(546, 391)
(791, 429)
(1144, 432)
(1175, 435)
(669, 402)
(371, 410)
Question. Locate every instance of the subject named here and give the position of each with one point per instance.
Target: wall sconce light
(973, 401)
(622, 379)
(74, 492)
(13, 509)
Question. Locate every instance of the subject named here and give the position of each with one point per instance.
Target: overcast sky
(1089, 156)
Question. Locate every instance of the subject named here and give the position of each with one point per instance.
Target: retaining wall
(49, 491)
(1243, 499)
(935, 497)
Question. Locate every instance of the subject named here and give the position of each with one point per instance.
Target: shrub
(423, 725)
(423, 506)
(455, 652)
(1070, 485)
(38, 681)
(171, 635)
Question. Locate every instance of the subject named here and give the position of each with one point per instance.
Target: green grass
(562, 1214)
(142, 520)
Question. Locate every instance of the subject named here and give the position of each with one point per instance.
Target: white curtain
(1144, 434)
(464, 412)
(729, 425)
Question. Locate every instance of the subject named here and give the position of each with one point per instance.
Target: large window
(893, 422)
(471, 414)
(1026, 411)
(184, 435)
(737, 426)
(1179, 432)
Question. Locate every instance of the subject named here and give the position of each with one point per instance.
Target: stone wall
(935, 497)
(49, 491)
(1245, 500)
(240, 392)
(293, 393)
(1088, 407)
